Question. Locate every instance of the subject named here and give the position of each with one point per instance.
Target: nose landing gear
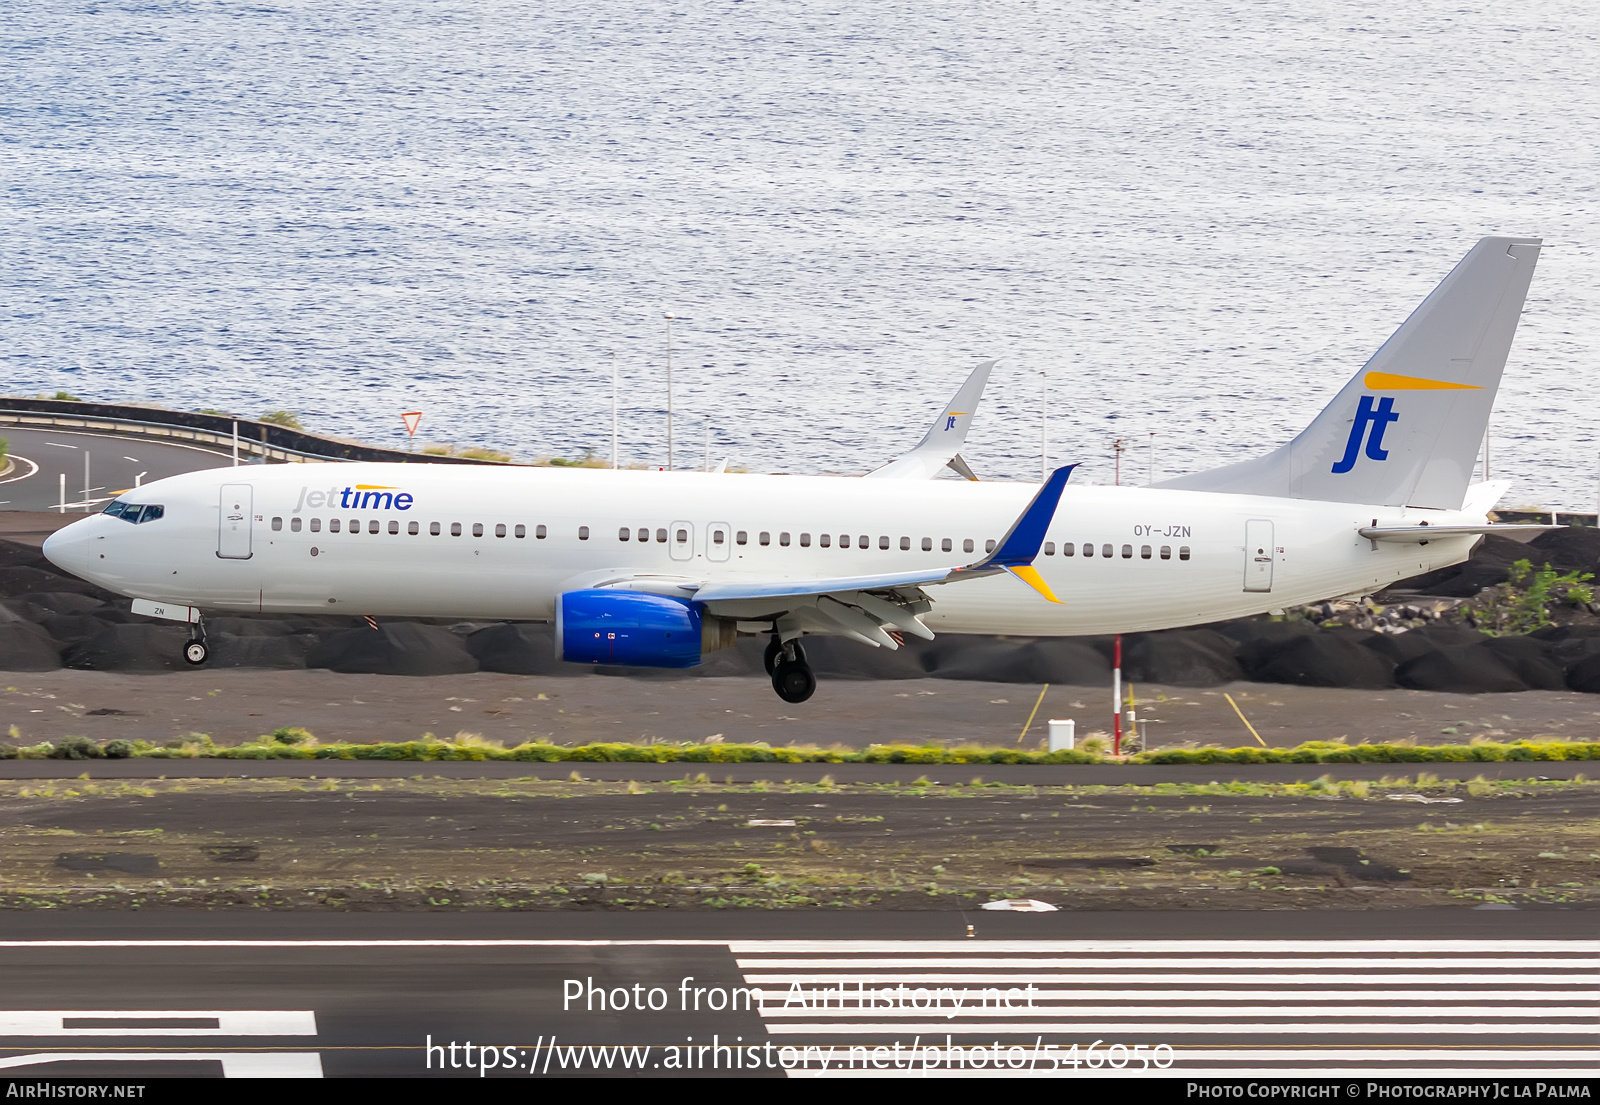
(197, 652)
(792, 677)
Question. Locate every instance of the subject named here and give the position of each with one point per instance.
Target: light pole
(1044, 426)
(670, 319)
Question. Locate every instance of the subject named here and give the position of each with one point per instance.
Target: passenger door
(680, 541)
(719, 540)
(233, 521)
(1258, 555)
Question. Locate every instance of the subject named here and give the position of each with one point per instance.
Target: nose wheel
(792, 677)
(197, 652)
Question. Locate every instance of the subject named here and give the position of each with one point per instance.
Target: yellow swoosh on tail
(1388, 381)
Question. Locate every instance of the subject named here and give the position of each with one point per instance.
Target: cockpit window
(134, 512)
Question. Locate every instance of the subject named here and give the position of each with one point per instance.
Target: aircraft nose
(69, 547)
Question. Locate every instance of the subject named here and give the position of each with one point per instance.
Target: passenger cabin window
(539, 532)
(966, 546)
(1105, 550)
(1166, 552)
(1049, 548)
(805, 540)
(765, 538)
(316, 525)
(824, 540)
(1088, 549)
(455, 529)
(583, 532)
(624, 534)
(927, 544)
(946, 545)
(413, 528)
(844, 540)
(394, 527)
(355, 525)
(520, 531)
(864, 541)
(372, 526)
(644, 533)
(718, 537)
(883, 542)
(988, 546)
(1127, 552)
(477, 530)
(783, 539)
(277, 524)
(1068, 548)
(1183, 552)
(905, 544)
(661, 535)
(294, 525)
(433, 529)
(1144, 552)
(333, 525)
(741, 538)
(682, 536)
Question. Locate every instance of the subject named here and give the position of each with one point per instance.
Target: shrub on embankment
(298, 744)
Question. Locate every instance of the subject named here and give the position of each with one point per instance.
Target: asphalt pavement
(1435, 994)
(93, 466)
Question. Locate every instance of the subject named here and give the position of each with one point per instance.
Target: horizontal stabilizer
(1421, 534)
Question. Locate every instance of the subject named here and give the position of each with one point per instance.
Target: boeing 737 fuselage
(656, 568)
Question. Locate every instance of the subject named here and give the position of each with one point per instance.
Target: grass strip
(298, 744)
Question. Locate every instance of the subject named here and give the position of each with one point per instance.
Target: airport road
(1416, 994)
(44, 456)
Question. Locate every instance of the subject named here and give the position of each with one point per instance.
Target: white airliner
(657, 568)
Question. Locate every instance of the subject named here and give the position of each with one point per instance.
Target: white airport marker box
(1063, 734)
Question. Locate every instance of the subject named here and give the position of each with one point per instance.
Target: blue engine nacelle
(628, 627)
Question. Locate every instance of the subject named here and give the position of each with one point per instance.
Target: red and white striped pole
(1116, 695)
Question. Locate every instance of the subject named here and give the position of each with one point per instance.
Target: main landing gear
(197, 651)
(792, 677)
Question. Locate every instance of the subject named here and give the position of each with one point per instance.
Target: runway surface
(1441, 994)
(43, 457)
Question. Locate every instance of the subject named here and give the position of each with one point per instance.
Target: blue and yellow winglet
(1021, 544)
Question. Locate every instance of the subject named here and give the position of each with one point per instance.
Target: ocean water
(1181, 223)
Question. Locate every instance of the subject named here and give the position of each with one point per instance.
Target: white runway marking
(1255, 1008)
(295, 1064)
(150, 1022)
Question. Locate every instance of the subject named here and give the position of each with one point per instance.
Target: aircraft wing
(860, 606)
(941, 445)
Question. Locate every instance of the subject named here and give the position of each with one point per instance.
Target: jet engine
(636, 629)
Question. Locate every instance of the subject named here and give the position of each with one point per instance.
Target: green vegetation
(1523, 603)
(61, 395)
(477, 452)
(472, 452)
(5, 449)
(298, 744)
(287, 419)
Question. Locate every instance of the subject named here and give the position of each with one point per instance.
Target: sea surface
(1180, 223)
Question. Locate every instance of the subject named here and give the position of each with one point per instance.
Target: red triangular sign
(412, 419)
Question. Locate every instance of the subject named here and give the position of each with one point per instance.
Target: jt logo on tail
(1379, 420)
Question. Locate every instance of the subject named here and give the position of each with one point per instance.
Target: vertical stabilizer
(1406, 430)
(944, 438)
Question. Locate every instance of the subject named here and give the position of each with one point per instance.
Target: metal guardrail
(260, 441)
